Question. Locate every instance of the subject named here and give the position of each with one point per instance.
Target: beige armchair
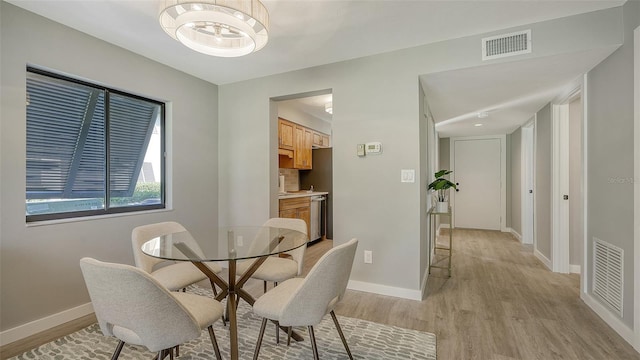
(305, 301)
(136, 309)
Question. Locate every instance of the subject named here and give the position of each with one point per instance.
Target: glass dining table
(231, 245)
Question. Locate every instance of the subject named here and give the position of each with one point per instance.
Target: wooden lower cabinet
(297, 208)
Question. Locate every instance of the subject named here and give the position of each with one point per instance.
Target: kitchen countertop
(301, 193)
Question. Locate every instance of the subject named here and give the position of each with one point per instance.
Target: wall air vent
(504, 45)
(608, 274)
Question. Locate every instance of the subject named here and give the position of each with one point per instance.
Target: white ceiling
(312, 105)
(315, 32)
(509, 93)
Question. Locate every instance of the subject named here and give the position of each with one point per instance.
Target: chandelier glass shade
(225, 28)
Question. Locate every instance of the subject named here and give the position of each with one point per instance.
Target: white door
(477, 173)
(527, 184)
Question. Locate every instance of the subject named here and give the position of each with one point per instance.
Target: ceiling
(312, 105)
(315, 32)
(508, 93)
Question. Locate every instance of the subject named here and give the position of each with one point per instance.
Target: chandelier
(226, 28)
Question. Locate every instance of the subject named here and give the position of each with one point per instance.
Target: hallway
(500, 303)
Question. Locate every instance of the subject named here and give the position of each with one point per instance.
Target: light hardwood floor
(500, 303)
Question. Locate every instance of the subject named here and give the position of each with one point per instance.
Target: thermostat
(374, 147)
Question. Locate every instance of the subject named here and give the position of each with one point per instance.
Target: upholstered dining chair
(277, 269)
(305, 301)
(175, 275)
(135, 308)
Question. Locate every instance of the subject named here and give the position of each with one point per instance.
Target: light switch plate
(361, 151)
(408, 175)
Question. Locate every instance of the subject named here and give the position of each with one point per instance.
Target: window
(90, 150)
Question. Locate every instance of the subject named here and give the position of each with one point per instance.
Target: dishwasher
(316, 217)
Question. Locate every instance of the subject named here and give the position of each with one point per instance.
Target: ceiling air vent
(511, 44)
(607, 274)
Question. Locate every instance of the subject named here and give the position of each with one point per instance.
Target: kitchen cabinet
(285, 134)
(303, 144)
(320, 140)
(295, 144)
(297, 208)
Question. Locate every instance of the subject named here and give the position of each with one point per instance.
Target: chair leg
(314, 346)
(177, 350)
(277, 332)
(344, 341)
(260, 335)
(264, 286)
(289, 335)
(116, 353)
(214, 342)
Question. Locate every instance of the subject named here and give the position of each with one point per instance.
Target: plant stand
(433, 214)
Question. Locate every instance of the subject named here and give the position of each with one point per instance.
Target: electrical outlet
(240, 240)
(368, 257)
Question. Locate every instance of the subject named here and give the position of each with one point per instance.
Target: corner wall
(516, 182)
(543, 179)
(39, 264)
(610, 157)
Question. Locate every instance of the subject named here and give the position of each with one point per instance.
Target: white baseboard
(574, 269)
(31, 328)
(542, 258)
(613, 321)
(385, 290)
(515, 234)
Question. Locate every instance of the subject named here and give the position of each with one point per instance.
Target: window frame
(108, 209)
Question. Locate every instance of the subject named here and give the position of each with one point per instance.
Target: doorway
(304, 166)
(568, 204)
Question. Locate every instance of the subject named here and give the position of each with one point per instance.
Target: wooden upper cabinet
(295, 143)
(303, 140)
(325, 141)
(285, 134)
(320, 140)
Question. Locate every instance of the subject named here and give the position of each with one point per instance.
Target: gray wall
(515, 198)
(610, 155)
(543, 181)
(444, 154)
(39, 265)
(576, 222)
(224, 161)
(375, 98)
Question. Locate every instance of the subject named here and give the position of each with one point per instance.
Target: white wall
(39, 265)
(610, 156)
(543, 179)
(576, 214)
(375, 98)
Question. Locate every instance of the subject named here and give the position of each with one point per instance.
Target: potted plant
(441, 187)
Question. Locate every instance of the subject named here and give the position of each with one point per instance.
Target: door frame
(560, 186)
(503, 174)
(528, 170)
(636, 187)
(560, 243)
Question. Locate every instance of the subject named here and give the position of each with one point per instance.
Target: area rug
(367, 340)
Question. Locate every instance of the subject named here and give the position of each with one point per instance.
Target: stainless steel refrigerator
(321, 177)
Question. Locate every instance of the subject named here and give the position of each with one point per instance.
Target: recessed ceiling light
(478, 124)
(483, 114)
